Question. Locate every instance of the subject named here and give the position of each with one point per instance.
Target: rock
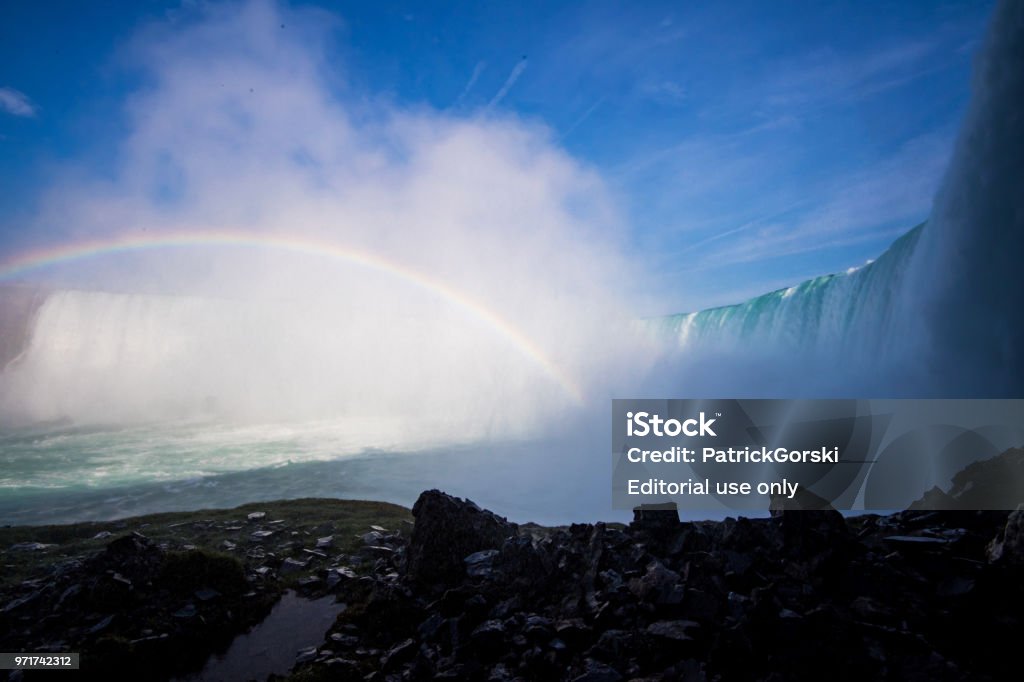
(324, 542)
(21, 601)
(657, 518)
(256, 516)
(447, 530)
(261, 535)
(67, 594)
(187, 611)
(338, 574)
(658, 585)
(936, 498)
(400, 653)
(994, 483)
(672, 630)
(573, 631)
(101, 626)
(595, 671)
(911, 541)
(30, 546)
(1008, 546)
(489, 637)
(291, 565)
(305, 655)
(809, 524)
(537, 628)
(206, 594)
(372, 538)
(701, 606)
(480, 564)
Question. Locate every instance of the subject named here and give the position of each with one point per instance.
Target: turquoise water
(66, 475)
(846, 314)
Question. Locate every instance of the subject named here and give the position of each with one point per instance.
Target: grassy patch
(205, 529)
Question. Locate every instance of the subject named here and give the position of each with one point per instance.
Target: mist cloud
(243, 121)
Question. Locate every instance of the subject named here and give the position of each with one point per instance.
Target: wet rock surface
(802, 595)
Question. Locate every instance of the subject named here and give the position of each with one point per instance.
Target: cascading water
(964, 277)
(938, 314)
(941, 312)
(107, 358)
(828, 316)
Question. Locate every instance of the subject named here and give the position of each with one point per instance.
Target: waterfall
(941, 312)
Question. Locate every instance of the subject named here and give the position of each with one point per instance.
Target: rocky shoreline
(463, 594)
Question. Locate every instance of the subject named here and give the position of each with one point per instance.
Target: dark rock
(372, 538)
(400, 653)
(912, 541)
(659, 585)
(489, 637)
(480, 564)
(206, 594)
(537, 627)
(101, 626)
(21, 601)
(1008, 546)
(595, 671)
(674, 630)
(994, 483)
(447, 530)
(187, 611)
(30, 547)
(701, 606)
(656, 518)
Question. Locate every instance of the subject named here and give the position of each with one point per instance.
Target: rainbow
(29, 261)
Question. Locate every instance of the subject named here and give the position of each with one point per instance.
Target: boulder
(447, 530)
(1008, 547)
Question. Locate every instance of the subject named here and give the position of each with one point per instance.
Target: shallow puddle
(270, 647)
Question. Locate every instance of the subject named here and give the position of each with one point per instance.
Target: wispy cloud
(477, 71)
(517, 71)
(867, 204)
(668, 91)
(583, 117)
(17, 103)
(827, 77)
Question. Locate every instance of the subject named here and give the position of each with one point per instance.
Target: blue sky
(740, 147)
